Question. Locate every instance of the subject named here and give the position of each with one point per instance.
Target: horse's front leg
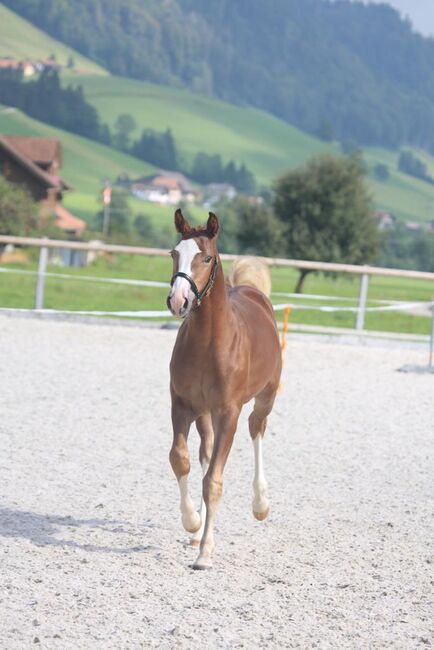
(225, 425)
(206, 433)
(180, 461)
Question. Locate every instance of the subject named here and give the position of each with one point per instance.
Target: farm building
(167, 188)
(35, 164)
(215, 192)
(384, 219)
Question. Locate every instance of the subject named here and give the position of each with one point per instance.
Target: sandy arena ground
(93, 554)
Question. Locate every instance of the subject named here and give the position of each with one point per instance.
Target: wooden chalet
(35, 163)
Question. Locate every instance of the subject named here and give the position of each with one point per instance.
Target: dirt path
(92, 550)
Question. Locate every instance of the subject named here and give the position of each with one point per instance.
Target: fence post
(431, 345)
(40, 282)
(364, 282)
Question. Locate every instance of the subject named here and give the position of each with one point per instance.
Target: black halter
(200, 295)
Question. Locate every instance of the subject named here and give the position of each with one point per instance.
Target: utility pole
(107, 199)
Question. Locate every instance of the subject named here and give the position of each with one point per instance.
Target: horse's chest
(199, 381)
(190, 376)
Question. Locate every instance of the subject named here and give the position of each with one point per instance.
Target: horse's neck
(212, 320)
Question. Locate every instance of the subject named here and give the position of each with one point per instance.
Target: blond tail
(251, 271)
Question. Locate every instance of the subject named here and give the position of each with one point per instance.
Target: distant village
(387, 221)
(171, 188)
(30, 67)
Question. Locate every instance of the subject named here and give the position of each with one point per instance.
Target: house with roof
(35, 164)
(215, 192)
(164, 187)
(385, 220)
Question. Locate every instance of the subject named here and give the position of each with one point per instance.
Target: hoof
(193, 523)
(195, 542)
(202, 564)
(260, 516)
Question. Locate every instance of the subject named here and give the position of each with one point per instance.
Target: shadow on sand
(43, 530)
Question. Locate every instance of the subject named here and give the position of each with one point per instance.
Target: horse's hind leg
(257, 424)
(206, 433)
(180, 461)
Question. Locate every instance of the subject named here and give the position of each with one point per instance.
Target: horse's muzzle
(182, 310)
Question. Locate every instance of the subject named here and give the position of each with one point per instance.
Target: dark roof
(9, 144)
(42, 151)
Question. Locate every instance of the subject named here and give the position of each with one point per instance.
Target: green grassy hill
(86, 163)
(267, 145)
(264, 143)
(21, 40)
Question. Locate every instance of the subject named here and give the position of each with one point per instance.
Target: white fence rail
(365, 272)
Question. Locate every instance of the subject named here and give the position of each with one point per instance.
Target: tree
(143, 226)
(325, 210)
(259, 232)
(46, 99)
(125, 124)
(411, 165)
(159, 149)
(18, 211)
(208, 168)
(406, 249)
(381, 172)
(242, 178)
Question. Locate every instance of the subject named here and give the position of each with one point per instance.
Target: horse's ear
(212, 226)
(181, 224)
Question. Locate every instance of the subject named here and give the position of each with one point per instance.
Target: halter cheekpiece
(200, 295)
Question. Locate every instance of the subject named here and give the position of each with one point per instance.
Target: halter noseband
(200, 295)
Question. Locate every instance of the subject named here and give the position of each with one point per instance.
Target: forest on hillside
(341, 70)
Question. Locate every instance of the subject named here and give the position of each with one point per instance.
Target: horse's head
(195, 261)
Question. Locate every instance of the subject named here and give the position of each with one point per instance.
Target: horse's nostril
(185, 303)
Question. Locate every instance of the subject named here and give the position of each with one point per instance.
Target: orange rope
(286, 313)
(283, 341)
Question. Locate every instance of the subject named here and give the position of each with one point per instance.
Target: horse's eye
(171, 253)
(208, 259)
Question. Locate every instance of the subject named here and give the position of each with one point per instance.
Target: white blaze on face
(187, 250)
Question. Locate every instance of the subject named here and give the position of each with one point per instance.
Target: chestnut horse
(226, 353)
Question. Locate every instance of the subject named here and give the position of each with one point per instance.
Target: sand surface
(92, 551)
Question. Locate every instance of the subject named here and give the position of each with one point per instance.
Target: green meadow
(17, 290)
(264, 143)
